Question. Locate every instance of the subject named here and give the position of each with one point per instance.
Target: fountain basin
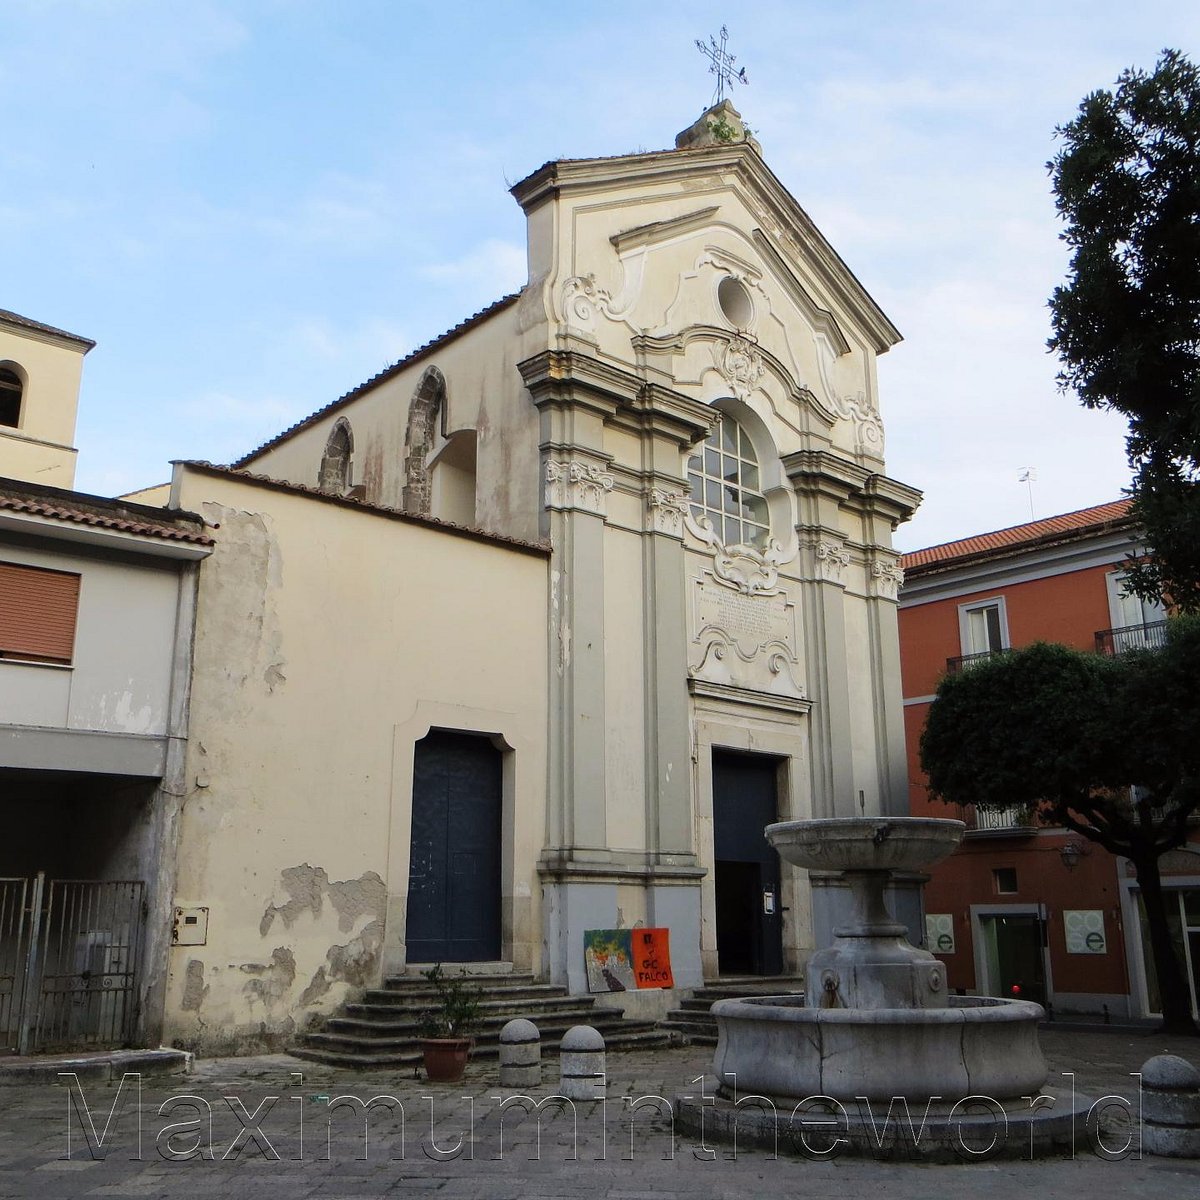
(976, 1045)
(866, 843)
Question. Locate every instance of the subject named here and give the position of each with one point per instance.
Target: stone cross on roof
(721, 64)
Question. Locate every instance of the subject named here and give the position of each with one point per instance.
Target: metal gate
(70, 953)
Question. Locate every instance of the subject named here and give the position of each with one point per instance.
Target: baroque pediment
(733, 177)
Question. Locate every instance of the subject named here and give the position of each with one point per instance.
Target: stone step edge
(411, 1058)
(565, 1018)
(549, 1033)
(107, 1065)
(418, 1005)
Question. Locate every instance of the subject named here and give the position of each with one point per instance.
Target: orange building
(1022, 908)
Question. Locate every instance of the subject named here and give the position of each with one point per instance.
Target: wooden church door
(454, 871)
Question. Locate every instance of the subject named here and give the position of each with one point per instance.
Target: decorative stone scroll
(832, 559)
(667, 510)
(886, 578)
(578, 485)
(868, 428)
(581, 297)
(744, 568)
(857, 409)
(740, 365)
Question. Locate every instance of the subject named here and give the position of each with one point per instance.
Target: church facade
(533, 633)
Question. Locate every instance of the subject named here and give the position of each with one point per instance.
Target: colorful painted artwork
(621, 960)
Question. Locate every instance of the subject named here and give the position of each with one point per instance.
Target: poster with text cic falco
(623, 960)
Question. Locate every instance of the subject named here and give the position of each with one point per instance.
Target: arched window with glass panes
(726, 487)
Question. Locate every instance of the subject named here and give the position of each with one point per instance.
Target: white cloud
(492, 267)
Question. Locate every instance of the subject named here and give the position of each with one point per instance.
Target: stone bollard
(1170, 1107)
(520, 1055)
(581, 1061)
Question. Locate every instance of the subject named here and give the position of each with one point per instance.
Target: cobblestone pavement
(269, 1127)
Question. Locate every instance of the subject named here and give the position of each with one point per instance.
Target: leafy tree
(1071, 733)
(1127, 321)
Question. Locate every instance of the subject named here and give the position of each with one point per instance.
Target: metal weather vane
(721, 64)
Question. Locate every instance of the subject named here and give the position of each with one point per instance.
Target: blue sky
(253, 207)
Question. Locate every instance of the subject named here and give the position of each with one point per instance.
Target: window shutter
(37, 613)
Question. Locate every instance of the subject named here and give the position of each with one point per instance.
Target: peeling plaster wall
(324, 633)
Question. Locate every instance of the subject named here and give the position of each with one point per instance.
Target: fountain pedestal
(876, 1024)
(871, 964)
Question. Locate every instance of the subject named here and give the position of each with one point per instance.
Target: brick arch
(425, 410)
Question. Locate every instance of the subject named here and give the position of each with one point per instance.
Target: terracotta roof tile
(1034, 532)
(13, 318)
(77, 508)
(383, 376)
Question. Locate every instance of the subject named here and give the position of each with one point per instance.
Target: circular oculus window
(735, 302)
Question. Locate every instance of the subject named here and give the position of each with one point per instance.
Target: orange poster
(652, 958)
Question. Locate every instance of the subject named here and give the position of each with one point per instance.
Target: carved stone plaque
(743, 641)
(750, 621)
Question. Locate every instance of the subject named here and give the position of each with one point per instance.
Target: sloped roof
(1003, 541)
(13, 318)
(389, 372)
(78, 508)
(396, 514)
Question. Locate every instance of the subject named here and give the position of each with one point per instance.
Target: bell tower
(40, 370)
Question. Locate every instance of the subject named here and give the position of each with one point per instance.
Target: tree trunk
(1173, 987)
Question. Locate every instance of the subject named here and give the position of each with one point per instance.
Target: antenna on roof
(721, 64)
(1028, 477)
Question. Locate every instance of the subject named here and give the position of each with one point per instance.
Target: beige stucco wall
(158, 495)
(329, 640)
(40, 449)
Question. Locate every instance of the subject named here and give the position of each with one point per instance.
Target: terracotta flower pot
(445, 1058)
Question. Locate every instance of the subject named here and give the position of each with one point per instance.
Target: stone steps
(380, 1030)
(390, 1017)
(693, 1021)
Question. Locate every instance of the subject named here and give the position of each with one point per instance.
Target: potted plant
(445, 1028)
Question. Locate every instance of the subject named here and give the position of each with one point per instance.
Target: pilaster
(669, 821)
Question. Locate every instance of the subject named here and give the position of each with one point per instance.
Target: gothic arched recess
(336, 462)
(427, 405)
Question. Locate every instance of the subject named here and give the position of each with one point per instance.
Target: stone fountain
(876, 1034)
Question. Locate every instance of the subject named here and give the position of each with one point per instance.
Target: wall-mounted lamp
(1071, 853)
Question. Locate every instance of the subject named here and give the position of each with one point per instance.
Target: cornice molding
(821, 319)
(567, 377)
(850, 482)
(895, 499)
(747, 696)
(660, 231)
(842, 476)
